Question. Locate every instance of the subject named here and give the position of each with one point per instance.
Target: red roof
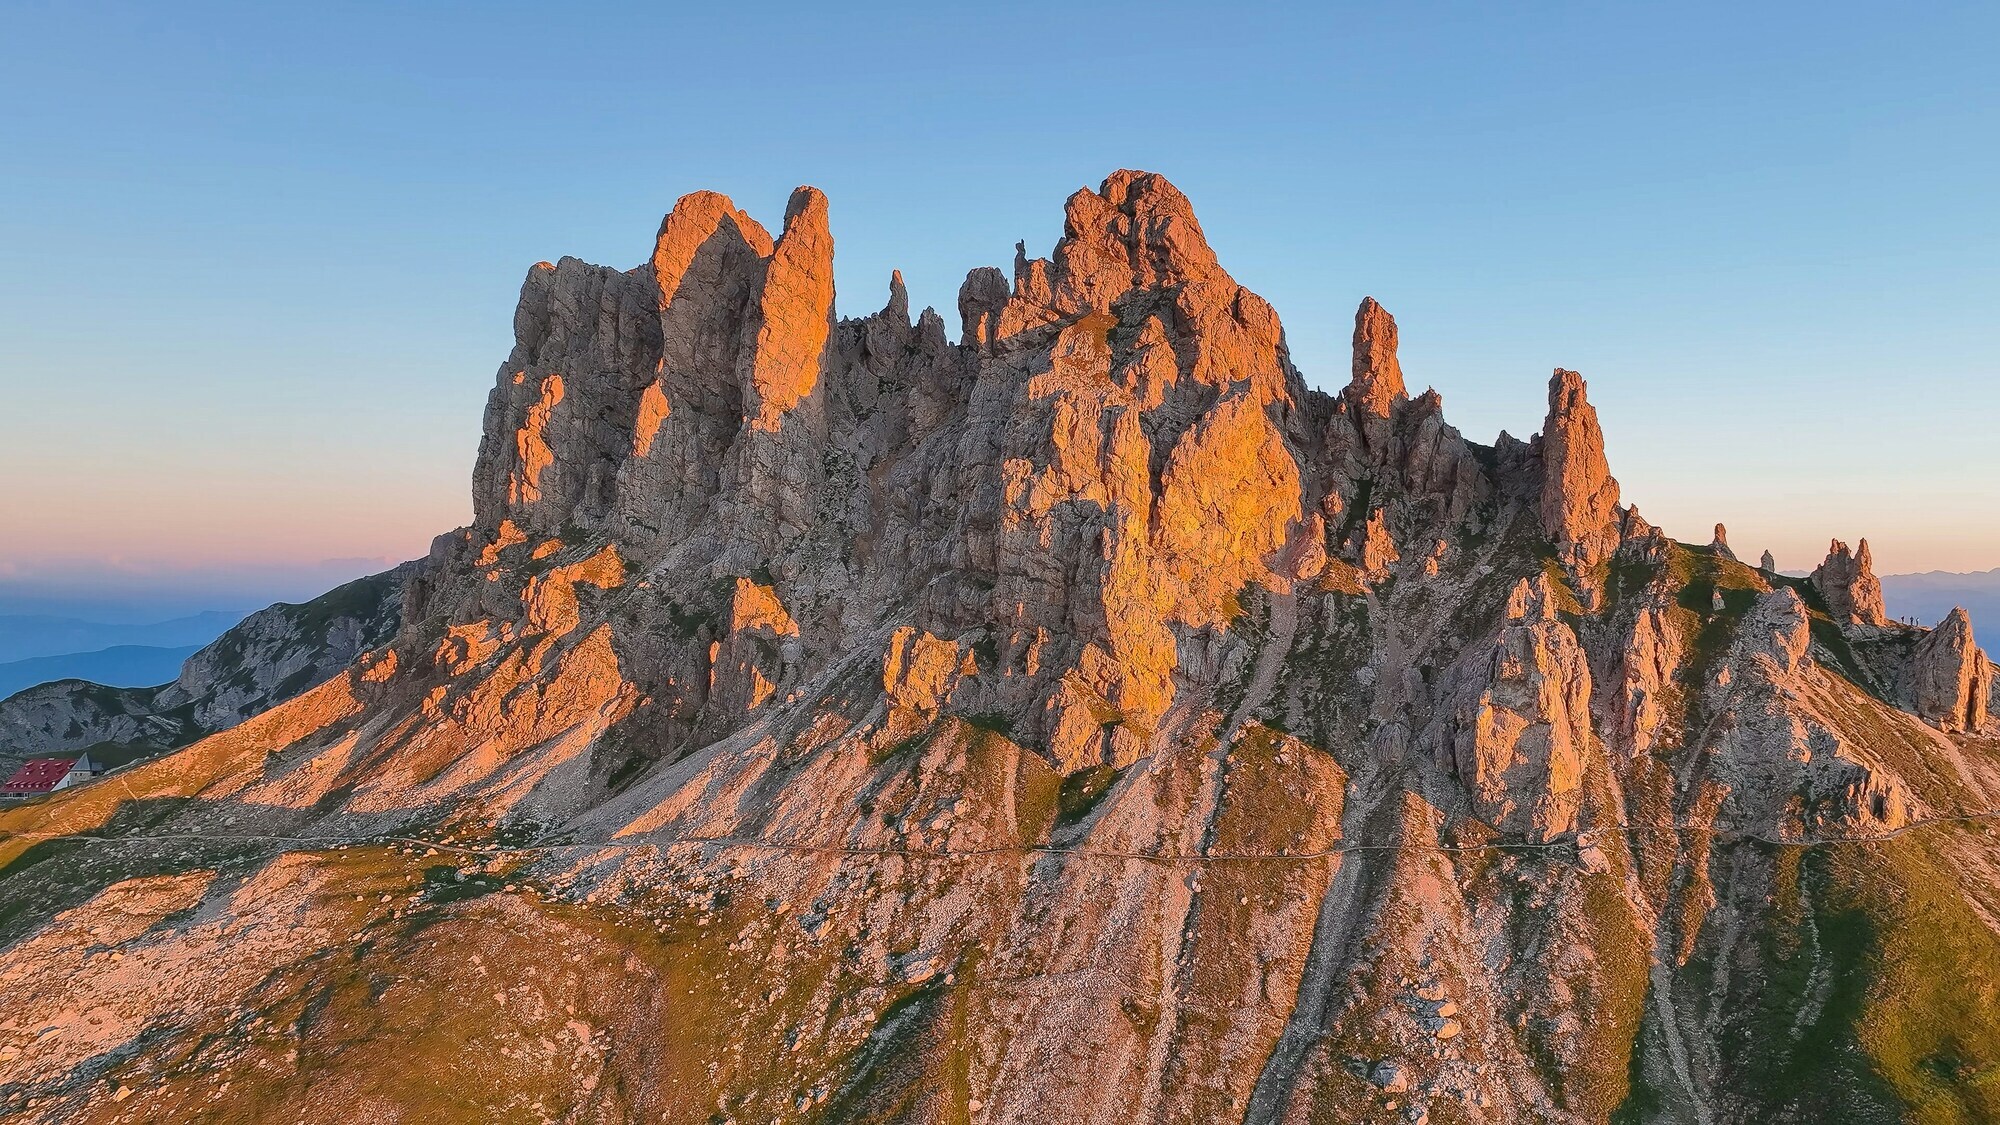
(38, 775)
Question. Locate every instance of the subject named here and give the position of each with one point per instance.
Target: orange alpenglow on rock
(1848, 584)
(1579, 504)
(1378, 377)
(531, 444)
(795, 313)
(1522, 724)
(1096, 648)
(698, 220)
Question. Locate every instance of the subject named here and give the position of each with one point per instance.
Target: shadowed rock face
(823, 720)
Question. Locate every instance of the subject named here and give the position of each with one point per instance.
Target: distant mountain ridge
(1931, 595)
(117, 666)
(27, 635)
(183, 694)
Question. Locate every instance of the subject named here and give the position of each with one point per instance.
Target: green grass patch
(1082, 791)
(995, 721)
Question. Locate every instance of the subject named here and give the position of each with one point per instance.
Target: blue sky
(262, 259)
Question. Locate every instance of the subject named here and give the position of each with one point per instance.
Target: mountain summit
(1080, 719)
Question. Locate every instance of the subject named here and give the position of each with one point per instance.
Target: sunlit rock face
(1579, 505)
(1954, 680)
(1848, 584)
(1069, 714)
(1520, 731)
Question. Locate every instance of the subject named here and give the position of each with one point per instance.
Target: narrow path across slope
(759, 843)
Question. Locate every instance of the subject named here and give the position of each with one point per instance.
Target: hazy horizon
(266, 262)
(113, 594)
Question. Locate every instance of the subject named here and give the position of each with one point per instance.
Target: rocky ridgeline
(267, 658)
(1078, 718)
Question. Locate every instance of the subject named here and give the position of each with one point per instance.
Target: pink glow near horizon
(109, 529)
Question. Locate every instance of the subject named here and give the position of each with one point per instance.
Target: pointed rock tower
(1378, 376)
(1720, 544)
(1954, 678)
(1579, 502)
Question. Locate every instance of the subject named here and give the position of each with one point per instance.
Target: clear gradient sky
(261, 260)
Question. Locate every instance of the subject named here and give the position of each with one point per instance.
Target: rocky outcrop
(758, 651)
(1848, 585)
(1084, 718)
(1798, 769)
(1777, 630)
(281, 651)
(793, 316)
(1520, 729)
(267, 658)
(920, 670)
(1720, 544)
(1954, 680)
(70, 716)
(1579, 497)
(1377, 383)
(1768, 564)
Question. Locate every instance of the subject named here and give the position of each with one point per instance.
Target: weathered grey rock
(1519, 727)
(1720, 544)
(1083, 720)
(1954, 680)
(1848, 583)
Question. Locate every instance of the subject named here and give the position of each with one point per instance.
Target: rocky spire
(980, 300)
(899, 298)
(1720, 544)
(1767, 564)
(794, 313)
(887, 334)
(1953, 677)
(1579, 502)
(1635, 525)
(1847, 583)
(1378, 377)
